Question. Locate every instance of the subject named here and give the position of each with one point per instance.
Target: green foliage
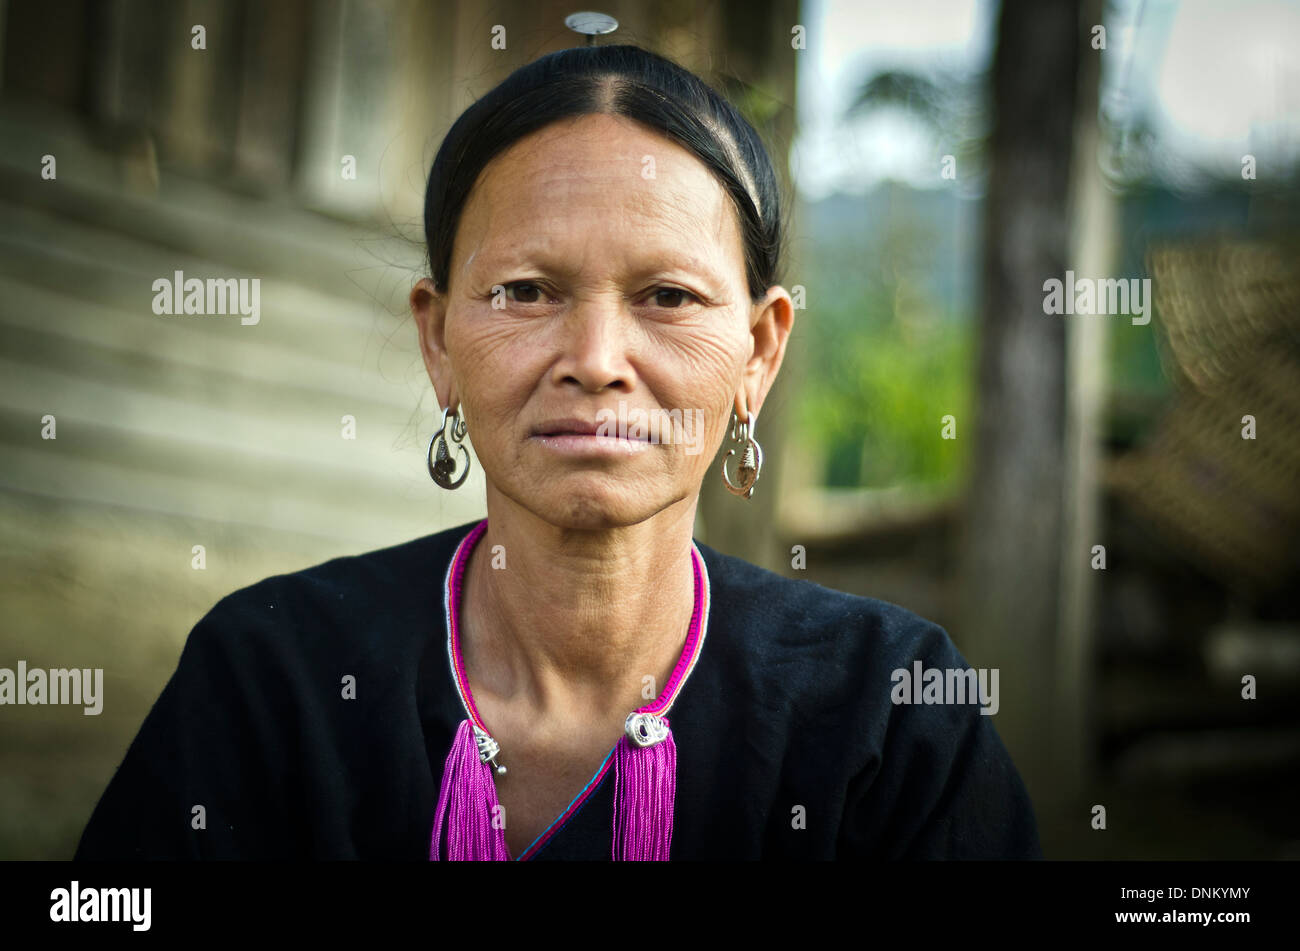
(884, 367)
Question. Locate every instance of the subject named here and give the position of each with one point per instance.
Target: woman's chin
(581, 505)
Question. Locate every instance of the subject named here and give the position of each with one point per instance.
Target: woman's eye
(675, 297)
(522, 292)
(527, 292)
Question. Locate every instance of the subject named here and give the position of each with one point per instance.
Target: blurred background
(1103, 508)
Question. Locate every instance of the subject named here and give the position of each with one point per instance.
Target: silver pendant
(488, 749)
(645, 729)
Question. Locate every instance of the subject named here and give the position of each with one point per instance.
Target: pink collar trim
(452, 591)
(691, 650)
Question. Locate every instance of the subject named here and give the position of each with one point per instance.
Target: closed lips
(577, 427)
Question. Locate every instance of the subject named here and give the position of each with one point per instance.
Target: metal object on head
(591, 24)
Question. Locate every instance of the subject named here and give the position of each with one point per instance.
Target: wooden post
(1011, 549)
(1093, 255)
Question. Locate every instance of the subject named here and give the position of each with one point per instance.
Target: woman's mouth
(580, 437)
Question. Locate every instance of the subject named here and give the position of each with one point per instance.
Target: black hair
(625, 81)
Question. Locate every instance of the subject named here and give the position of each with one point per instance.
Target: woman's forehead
(605, 181)
(599, 155)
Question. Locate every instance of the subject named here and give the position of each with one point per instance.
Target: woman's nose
(593, 348)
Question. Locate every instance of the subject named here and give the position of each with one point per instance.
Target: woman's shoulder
(823, 649)
(808, 617)
(880, 694)
(363, 599)
(369, 573)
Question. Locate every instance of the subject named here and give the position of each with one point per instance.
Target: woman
(574, 677)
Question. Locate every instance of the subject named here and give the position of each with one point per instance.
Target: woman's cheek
(494, 355)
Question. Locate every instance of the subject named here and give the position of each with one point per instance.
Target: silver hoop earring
(751, 460)
(442, 464)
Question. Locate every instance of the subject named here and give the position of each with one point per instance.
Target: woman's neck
(572, 623)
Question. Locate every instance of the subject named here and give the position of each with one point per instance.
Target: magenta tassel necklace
(466, 824)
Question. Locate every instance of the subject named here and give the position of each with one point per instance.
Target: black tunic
(789, 705)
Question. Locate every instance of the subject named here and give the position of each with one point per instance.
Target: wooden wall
(183, 431)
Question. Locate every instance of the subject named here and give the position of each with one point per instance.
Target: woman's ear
(429, 309)
(770, 326)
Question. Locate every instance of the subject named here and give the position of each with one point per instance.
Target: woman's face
(598, 275)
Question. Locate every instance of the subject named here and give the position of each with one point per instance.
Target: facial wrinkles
(606, 201)
(596, 212)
